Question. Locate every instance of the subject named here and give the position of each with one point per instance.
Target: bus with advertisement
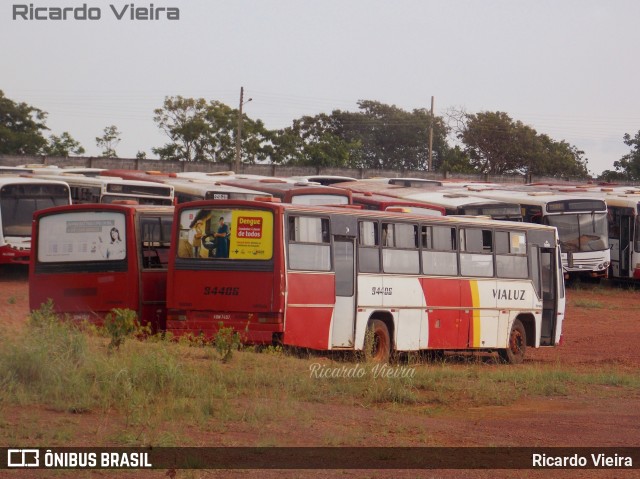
(581, 222)
(91, 258)
(320, 277)
(19, 199)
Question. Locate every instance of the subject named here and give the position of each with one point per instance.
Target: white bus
(581, 222)
(188, 188)
(465, 205)
(106, 189)
(19, 199)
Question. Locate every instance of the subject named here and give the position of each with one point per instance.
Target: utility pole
(239, 132)
(431, 139)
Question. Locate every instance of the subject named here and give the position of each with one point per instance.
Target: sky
(567, 68)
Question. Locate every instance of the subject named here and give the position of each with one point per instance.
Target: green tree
(205, 131)
(21, 128)
(319, 141)
(392, 138)
(378, 136)
(454, 160)
(184, 121)
(498, 145)
(109, 141)
(627, 167)
(63, 145)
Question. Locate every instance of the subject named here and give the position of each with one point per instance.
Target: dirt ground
(602, 328)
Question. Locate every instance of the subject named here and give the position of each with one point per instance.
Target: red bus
(91, 258)
(372, 201)
(301, 193)
(320, 277)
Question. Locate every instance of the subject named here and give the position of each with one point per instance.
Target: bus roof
(107, 206)
(529, 197)
(13, 180)
(287, 190)
(192, 185)
(382, 202)
(371, 214)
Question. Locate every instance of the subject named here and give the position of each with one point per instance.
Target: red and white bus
(288, 191)
(91, 258)
(372, 201)
(319, 277)
(19, 199)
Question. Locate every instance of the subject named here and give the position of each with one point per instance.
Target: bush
(121, 323)
(226, 341)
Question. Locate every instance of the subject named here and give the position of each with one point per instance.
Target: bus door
(344, 313)
(620, 225)
(549, 288)
(155, 232)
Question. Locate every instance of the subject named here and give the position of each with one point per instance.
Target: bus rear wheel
(515, 351)
(380, 346)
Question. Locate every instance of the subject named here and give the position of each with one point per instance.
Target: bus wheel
(514, 354)
(380, 346)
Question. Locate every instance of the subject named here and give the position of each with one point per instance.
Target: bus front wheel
(517, 346)
(380, 346)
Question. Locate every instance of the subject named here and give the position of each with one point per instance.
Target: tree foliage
(378, 136)
(498, 145)
(109, 141)
(63, 145)
(627, 167)
(21, 128)
(205, 131)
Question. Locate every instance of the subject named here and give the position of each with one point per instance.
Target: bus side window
(511, 255)
(400, 250)
(476, 252)
(439, 250)
(368, 247)
(309, 243)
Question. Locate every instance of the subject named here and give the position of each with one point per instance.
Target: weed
(226, 341)
(121, 323)
(588, 303)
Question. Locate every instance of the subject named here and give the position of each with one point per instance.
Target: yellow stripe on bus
(475, 325)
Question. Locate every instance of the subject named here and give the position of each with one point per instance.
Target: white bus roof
(523, 197)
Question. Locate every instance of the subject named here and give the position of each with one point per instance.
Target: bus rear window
(82, 236)
(230, 233)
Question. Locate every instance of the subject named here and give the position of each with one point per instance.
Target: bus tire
(381, 342)
(517, 346)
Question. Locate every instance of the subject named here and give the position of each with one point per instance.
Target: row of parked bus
(317, 277)
(282, 266)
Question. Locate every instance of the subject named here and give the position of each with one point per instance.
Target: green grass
(588, 303)
(157, 383)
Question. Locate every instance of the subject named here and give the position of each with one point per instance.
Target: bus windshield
(581, 232)
(18, 202)
(226, 233)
